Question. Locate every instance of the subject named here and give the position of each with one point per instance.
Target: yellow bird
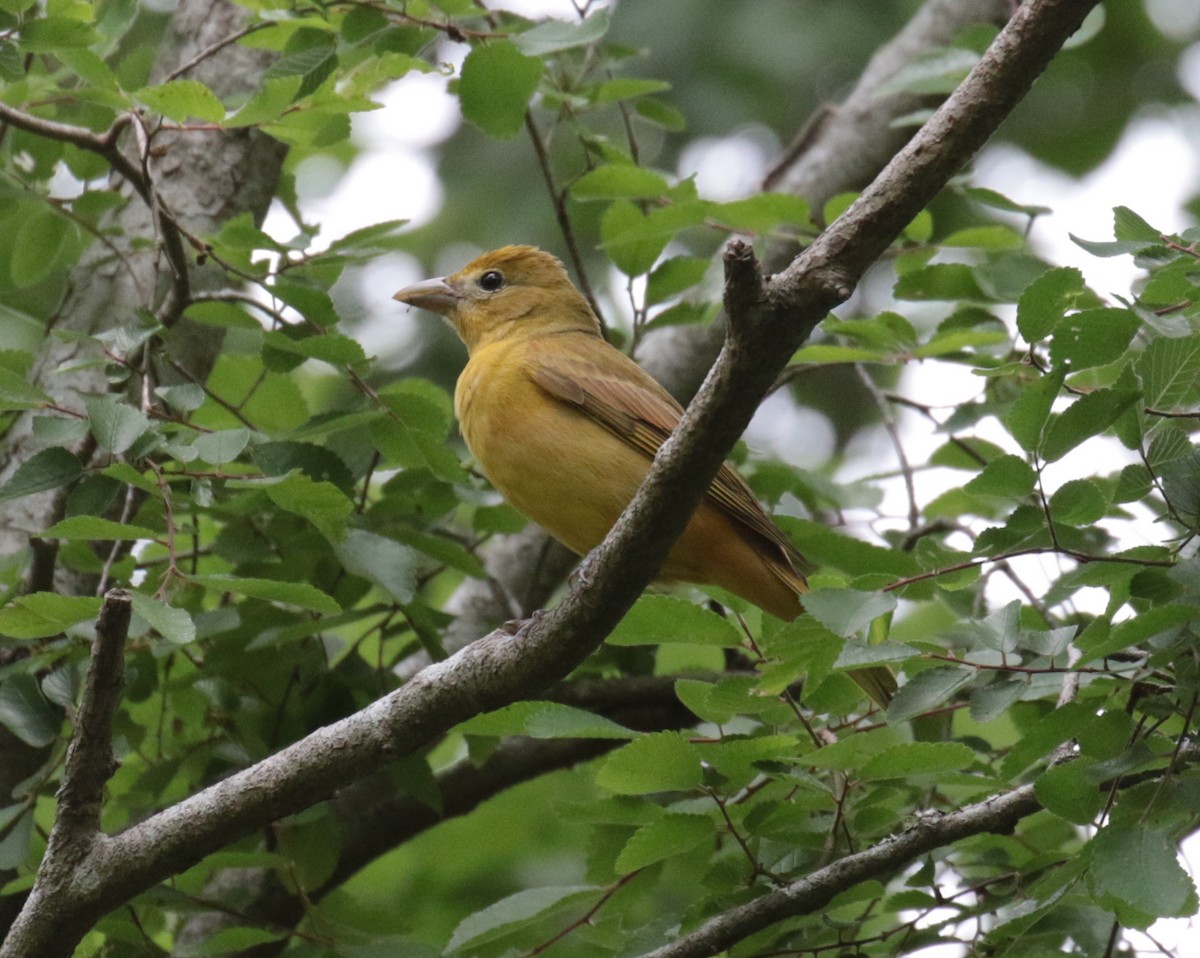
(565, 426)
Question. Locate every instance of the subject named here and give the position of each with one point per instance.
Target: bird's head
(512, 292)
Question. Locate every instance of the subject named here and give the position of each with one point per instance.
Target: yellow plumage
(565, 427)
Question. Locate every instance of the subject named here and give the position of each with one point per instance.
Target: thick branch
(90, 763)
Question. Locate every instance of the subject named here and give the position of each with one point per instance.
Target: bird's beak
(435, 295)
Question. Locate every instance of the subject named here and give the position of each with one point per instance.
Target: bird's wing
(634, 407)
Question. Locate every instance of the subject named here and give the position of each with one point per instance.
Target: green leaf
(619, 181)
(918, 758)
(48, 469)
(325, 505)
(673, 276)
(854, 751)
(25, 712)
(268, 103)
(180, 100)
(672, 834)
(515, 911)
(553, 36)
(39, 239)
(172, 623)
(657, 619)
(115, 424)
(1046, 300)
(625, 88)
(389, 564)
(544, 720)
(1005, 477)
(1128, 225)
(41, 614)
(93, 527)
(846, 612)
(16, 392)
(1088, 416)
(940, 281)
(927, 690)
(332, 348)
(1079, 502)
(1027, 418)
(658, 762)
(1069, 792)
(1169, 370)
(1093, 337)
(937, 72)
(497, 83)
(224, 446)
(762, 212)
(300, 594)
(49, 34)
(315, 305)
(1134, 867)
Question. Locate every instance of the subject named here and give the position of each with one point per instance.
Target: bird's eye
(491, 281)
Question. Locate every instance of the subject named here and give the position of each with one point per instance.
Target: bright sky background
(1154, 168)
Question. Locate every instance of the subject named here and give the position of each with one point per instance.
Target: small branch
(998, 814)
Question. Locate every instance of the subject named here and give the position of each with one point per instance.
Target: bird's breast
(549, 460)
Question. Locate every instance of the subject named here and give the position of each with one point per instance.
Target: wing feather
(635, 408)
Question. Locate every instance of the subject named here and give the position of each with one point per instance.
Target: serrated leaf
(1070, 793)
(544, 720)
(1136, 866)
(299, 594)
(846, 612)
(497, 83)
(41, 614)
(613, 181)
(1093, 337)
(391, 565)
(180, 100)
(672, 834)
(939, 281)
(45, 470)
(25, 712)
(917, 758)
(927, 690)
(40, 237)
(94, 527)
(854, 751)
(116, 425)
(16, 392)
(658, 762)
(1079, 502)
(514, 911)
(552, 36)
(1046, 300)
(1088, 416)
(1005, 477)
(325, 505)
(224, 446)
(1129, 226)
(762, 212)
(172, 623)
(1170, 370)
(673, 276)
(1027, 418)
(663, 619)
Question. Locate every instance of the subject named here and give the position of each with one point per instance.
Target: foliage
(293, 525)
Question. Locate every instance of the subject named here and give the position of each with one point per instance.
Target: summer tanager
(565, 426)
